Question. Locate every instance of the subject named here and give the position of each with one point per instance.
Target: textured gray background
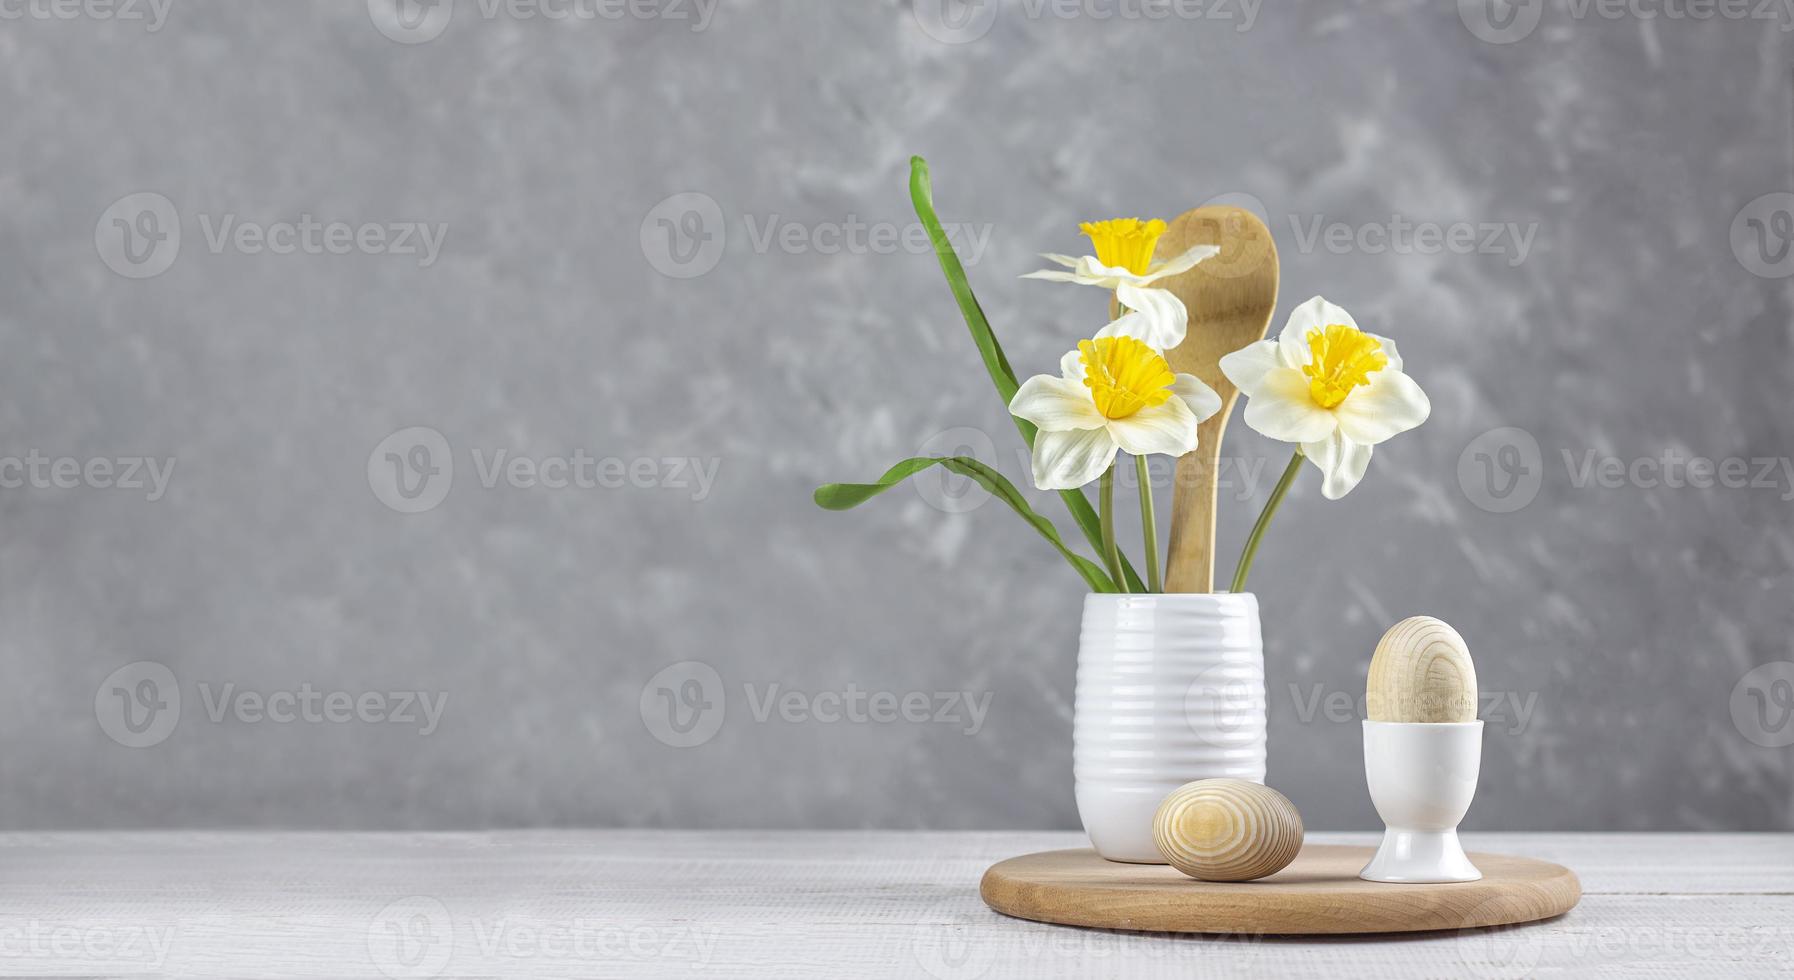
(1631, 329)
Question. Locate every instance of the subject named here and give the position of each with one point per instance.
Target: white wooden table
(830, 905)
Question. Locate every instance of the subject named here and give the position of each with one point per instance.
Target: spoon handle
(1190, 560)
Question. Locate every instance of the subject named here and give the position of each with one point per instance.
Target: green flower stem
(1149, 525)
(1111, 551)
(1264, 521)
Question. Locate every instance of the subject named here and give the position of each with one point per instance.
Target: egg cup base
(1420, 857)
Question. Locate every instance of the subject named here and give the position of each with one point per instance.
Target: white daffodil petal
(1168, 429)
(1057, 259)
(1390, 404)
(1068, 460)
(1165, 314)
(1092, 268)
(1053, 275)
(1282, 409)
(1395, 359)
(1134, 325)
(1247, 367)
(1055, 404)
(1316, 314)
(1181, 263)
(1202, 399)
(1342, 463)
(1071, 367)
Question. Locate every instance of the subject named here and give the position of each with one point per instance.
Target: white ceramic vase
(1171, 688)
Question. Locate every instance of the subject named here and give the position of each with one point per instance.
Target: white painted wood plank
(1620, 935)
(663, 904)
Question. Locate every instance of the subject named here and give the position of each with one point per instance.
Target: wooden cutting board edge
(1319, 894)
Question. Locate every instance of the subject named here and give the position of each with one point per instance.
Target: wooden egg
(1421, 672)
(1227, 830)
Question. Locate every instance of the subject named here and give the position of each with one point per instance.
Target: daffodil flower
(1115, 392)
(1333, 390)
(1329, 387)
(1124, 249)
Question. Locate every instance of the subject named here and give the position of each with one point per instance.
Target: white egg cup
(1422, 778)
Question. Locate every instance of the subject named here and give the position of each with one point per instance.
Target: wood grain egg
(1227, 830)
(1421, 672)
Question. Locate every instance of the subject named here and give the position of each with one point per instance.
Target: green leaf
(846, 496)
(921, 192)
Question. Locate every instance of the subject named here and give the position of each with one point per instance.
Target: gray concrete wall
(667, 239)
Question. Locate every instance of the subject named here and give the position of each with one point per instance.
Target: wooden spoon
(1231, 298)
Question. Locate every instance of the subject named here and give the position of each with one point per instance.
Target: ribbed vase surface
(1170, 689)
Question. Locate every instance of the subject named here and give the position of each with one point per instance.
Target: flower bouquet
(1153, 664)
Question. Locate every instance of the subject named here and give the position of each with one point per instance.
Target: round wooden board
(1319, 894)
